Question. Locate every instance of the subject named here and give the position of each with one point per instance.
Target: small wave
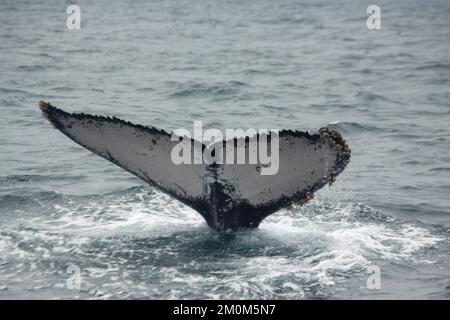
(63, 89)
(12, 179)
(82, 50)
(365, 71)
(16, 91)
(400, 134)
(196, 89)
(145, 89)
(370, 96)
(352, 57)
(332, 106)
(257, 72)
(272, 107)
(408, 188)
(351, 127)
(435, 67)
(45, 55)
(185, 68)
(433, 113)
(31, 68)
(440, 169)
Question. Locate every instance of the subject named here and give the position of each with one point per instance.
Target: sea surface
(73, 225)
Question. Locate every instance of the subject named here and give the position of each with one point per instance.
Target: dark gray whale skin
(228, 196)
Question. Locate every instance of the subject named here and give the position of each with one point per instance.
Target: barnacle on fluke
(227, 195)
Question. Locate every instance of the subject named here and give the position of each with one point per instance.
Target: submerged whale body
(228, 196)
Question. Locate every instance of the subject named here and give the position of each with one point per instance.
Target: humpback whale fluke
(228, 196)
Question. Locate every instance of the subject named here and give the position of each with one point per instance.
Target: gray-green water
(264, 64)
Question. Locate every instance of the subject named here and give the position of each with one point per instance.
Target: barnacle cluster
(339, 143)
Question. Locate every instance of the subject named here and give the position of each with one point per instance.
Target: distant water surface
(231, 64)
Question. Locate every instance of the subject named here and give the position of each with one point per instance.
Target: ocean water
(231, 64)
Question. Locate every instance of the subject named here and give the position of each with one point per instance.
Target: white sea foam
(148, 245)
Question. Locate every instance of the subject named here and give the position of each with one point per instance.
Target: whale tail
(227, 195)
